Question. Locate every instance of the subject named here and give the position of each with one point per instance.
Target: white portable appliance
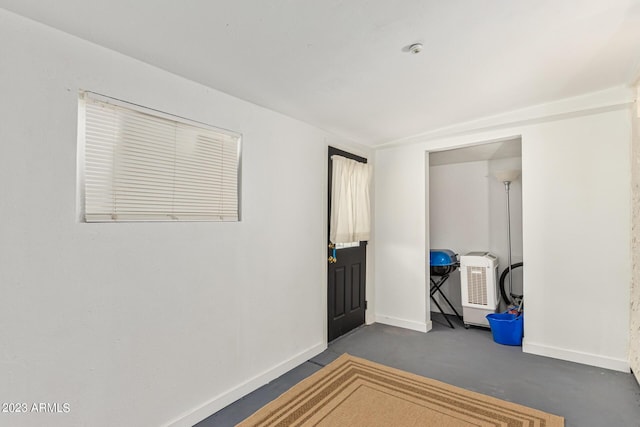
(478, 273)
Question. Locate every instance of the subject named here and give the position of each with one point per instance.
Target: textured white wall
(634, 336)
(576, 226)
(143, 324)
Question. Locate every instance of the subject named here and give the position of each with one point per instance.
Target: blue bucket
(506, 328)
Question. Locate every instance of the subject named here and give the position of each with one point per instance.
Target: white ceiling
(486, 151)
(343, 66)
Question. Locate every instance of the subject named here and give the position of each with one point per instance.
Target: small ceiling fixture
(415, 48)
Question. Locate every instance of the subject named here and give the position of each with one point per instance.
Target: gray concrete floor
(586, 396)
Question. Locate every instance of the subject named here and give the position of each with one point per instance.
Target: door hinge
(366, 304)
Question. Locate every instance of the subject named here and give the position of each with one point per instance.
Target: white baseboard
(621, 365)
(230, 396)
(429, 325)
(403, 323)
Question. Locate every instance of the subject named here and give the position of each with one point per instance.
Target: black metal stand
(435, 287)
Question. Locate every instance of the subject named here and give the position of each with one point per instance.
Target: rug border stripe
(321, 387)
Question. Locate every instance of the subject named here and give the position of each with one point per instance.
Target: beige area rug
(356, 392)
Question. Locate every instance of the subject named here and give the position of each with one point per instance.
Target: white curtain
(350, 207)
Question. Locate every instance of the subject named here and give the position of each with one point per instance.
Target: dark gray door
(346, 303)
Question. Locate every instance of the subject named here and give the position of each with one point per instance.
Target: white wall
(402, 299)
(634, 336)
(576, 224)
(576, 208)
(458, 217)
(144, 324)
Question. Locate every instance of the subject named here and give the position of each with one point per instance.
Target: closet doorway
(467, 211)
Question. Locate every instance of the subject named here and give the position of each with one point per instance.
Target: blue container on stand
(506, 328)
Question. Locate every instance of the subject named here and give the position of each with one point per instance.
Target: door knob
(332, 260)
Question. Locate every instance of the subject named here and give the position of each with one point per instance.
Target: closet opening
(474, 215)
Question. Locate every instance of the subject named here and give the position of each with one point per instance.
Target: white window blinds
(144, 165)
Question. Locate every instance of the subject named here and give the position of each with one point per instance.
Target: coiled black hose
(505, 297)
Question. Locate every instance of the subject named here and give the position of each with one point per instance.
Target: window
(138, 164)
